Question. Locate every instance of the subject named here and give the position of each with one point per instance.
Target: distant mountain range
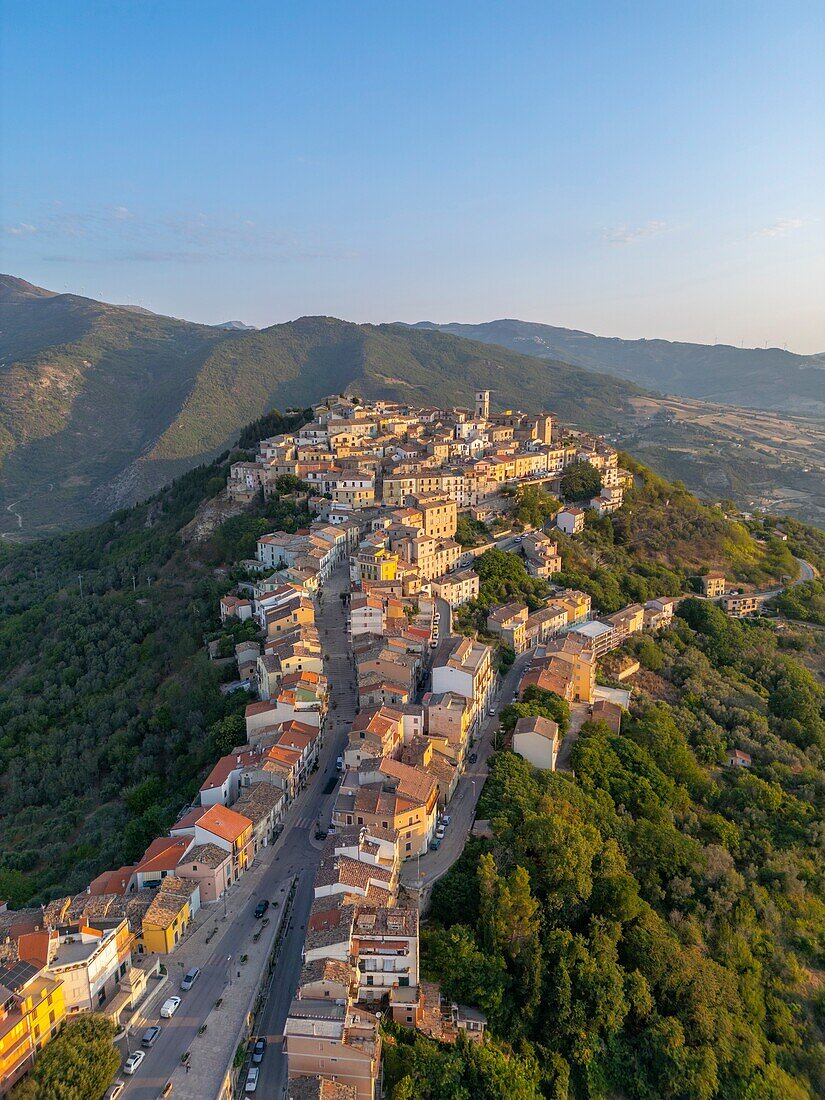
(767, 378)
(101, 405)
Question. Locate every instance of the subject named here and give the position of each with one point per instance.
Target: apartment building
(32, 1008)
(375, 732)
(467, 671)
(457, 588)
(447, 722)
(438, 514)
(570, 520)
(89, 962)
(739, 606)
(329, 1039)
(713, 585)
(510, 623)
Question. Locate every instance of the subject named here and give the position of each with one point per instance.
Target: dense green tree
(581, 481)
(79, 1064)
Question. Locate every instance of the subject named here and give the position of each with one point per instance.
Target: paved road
(300, 853)
(296, 853)
(422, 873)
(806, 571)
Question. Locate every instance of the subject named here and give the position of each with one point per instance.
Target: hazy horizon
(430, 320)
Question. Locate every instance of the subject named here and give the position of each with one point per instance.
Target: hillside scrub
(110, 709)
(653, 927)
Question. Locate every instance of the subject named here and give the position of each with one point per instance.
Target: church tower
(482, 404)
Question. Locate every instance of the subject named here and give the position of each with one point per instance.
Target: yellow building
(32, 1009)
(713, 585)
(438, 515)
(377, 564)
(164, 923)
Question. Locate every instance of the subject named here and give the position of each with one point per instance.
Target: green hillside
(302, 361)
(110, 709)
(101, 405)
(767, 378)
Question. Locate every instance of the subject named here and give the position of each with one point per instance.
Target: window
(408, 847)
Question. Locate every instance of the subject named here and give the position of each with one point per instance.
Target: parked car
(261, 908)
(437, 617)
(132, 1063)
(170, 1007)
(519, 538)
(491, 711)
(114, 1090)
(440, 832)
(445, 819)
(252, 1079)
(190, 977)
(433, 644)
(259, 1050)
(339, 763)
(150, 1036)
(473, 757)
(435, 844)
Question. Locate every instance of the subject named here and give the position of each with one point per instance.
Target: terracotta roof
(112, 882)
(225, 766)
(329, 923)
(606, 711)
(225, 823)
(544, 727)
(411, 782)
(349, 872)
(258, 801)
(331, 970)
(34, 947)
(262, 707)
(209, 855)
(164, 909)
(163, 854)
(189, 819)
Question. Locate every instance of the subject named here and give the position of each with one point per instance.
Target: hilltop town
(354, 640)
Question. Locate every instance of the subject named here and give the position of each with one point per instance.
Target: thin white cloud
(780, 228)
(118, 233)
(22, 229)
(629, 234)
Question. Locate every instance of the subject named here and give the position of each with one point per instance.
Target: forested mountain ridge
(102, 405)
(767, 378)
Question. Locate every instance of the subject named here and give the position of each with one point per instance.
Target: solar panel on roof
(16, 975)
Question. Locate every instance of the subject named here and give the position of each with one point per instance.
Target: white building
(537, 740)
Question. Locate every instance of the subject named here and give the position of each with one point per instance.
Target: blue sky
(630, 169)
